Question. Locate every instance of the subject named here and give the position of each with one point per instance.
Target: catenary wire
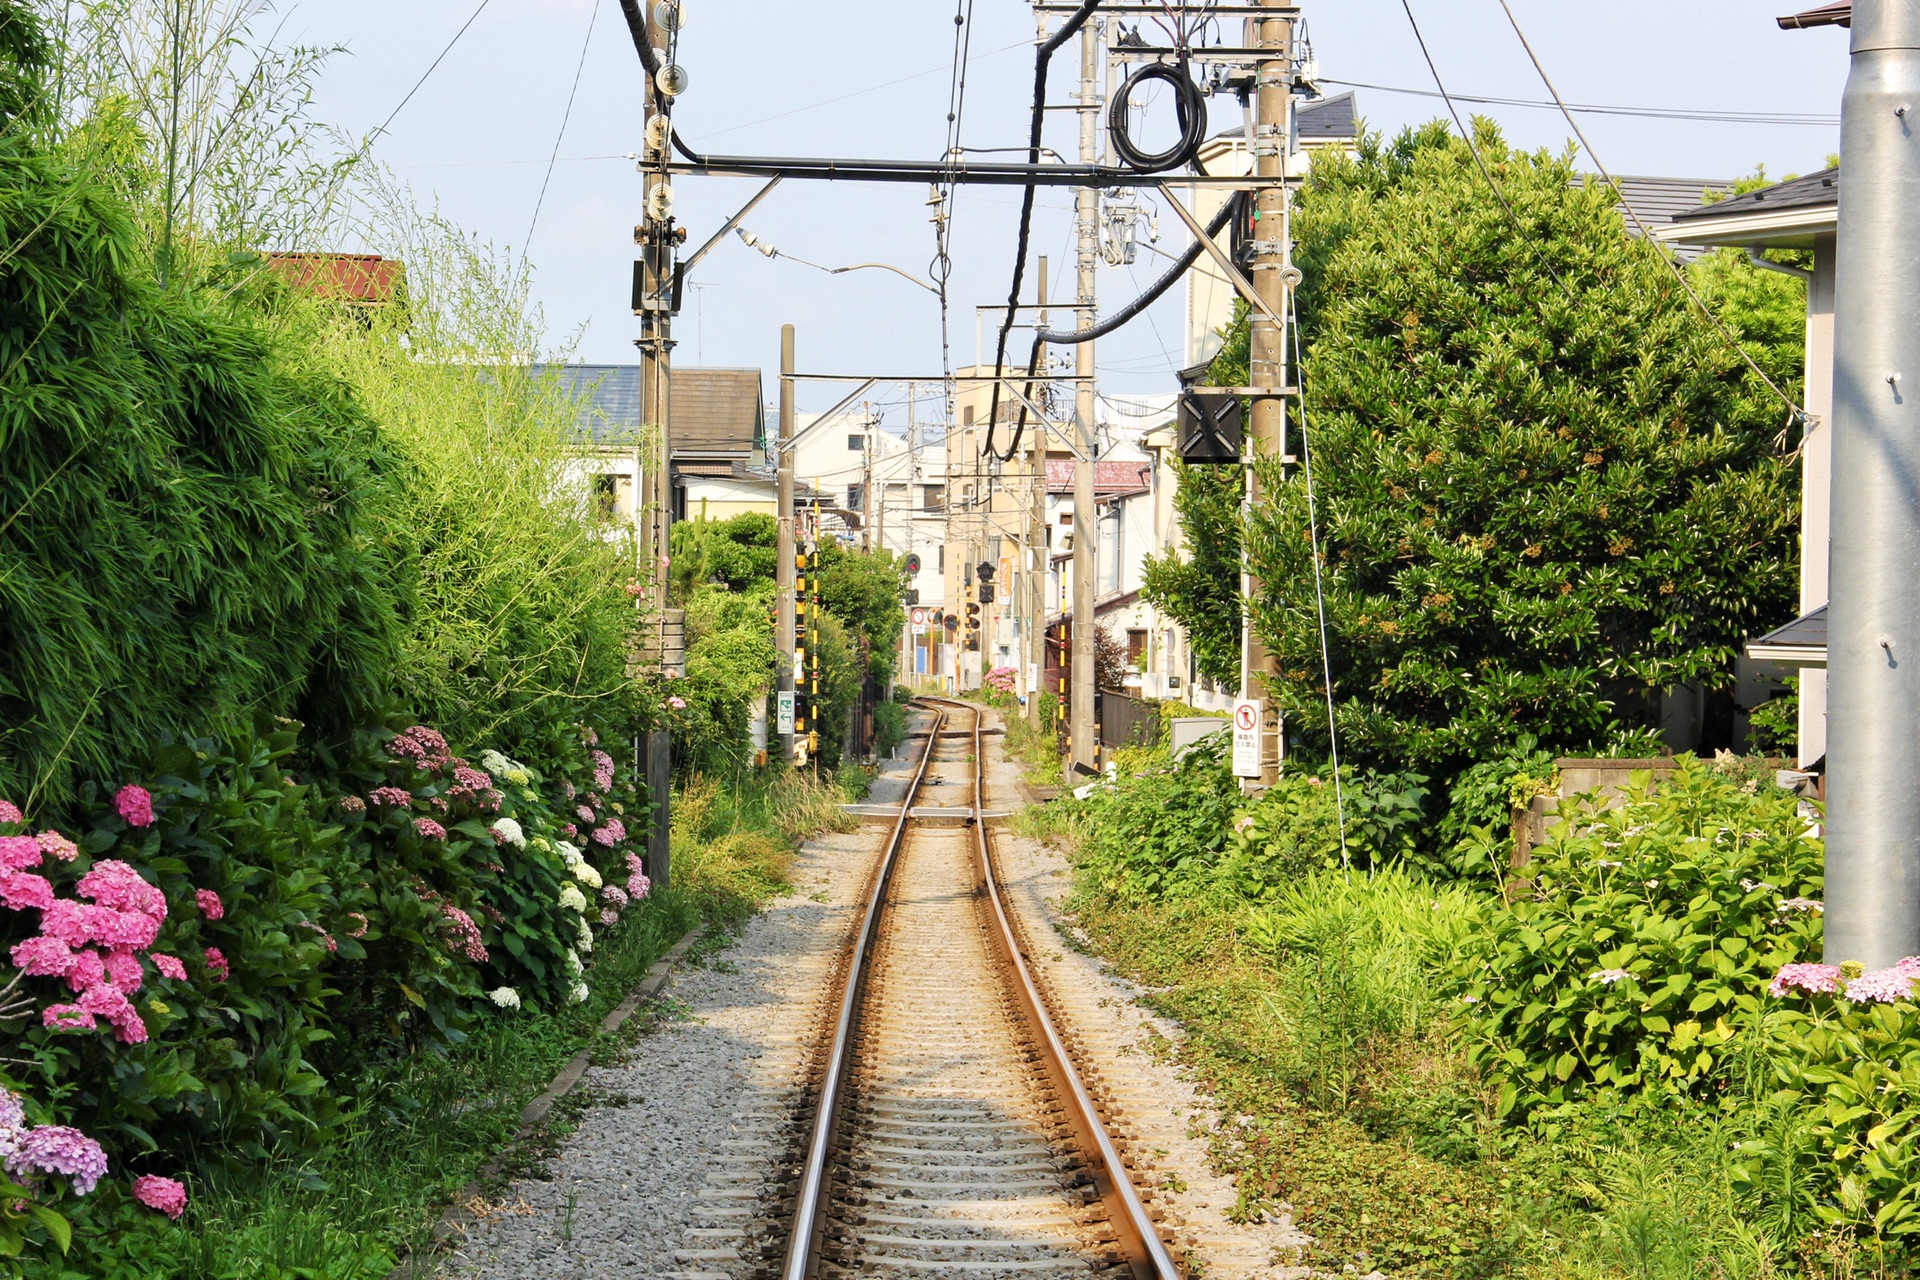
(1796, 413)
(471, 18)
(592, 15)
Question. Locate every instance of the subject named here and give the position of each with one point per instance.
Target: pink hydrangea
(602, 771)
(110, 1002)
(115, 885)
(677, 702)
(169, 966)
(612, 834)
(1816, 979)
(88, 970)
(20, 890)
(43, 957)
(19, 853)
(56, 1148)
(584, 814)
(325, 937)
(352, 805)
(426, 748)
(609, 916)
(614, 896)
(66, 1017)
(638, 886)
(216, 964)
(359, 930)
(55, 845)
(1885, 986)
(569, 830)
(464, 933)
(472, 779)
(393, 797)
(164, 1194)
(210, 905)
(135, 804)
(10, 812)
(429, 829)
(124, 971)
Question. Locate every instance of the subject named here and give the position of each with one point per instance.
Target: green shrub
(1646, 934)
(889, 727)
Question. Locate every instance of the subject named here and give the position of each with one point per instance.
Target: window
(856, 443)
(966, 416)
(856, 497)
(940, 558)
(1136, 649)
(1066, 519)
(933, 497)
(612, 497)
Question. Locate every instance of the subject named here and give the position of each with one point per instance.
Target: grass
(1311, 1023)
(424, 1129)
(1036, 748)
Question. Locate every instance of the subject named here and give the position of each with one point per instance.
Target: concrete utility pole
(784, 566)
(1267, 362)
(1873, 655)
(656, 348)
(1039, 558)
(1087, 211)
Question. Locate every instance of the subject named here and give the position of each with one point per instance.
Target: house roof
(1785, 215)
(1658, 200)
(357, 279)
(1827, 15)
(717, 413)
(1108, 477)
(1803, 641)
(1319, 120)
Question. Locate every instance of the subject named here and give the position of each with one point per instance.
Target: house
(359, 280)
(717, 440)
(1801, 213)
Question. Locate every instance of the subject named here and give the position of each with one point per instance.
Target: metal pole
(1873, 689)
(1266, 366)
(656, 346)
(784, 565)
(1038, 555)
(1087, 210)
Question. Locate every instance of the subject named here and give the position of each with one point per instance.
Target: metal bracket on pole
(729, 225)
(1219, 255)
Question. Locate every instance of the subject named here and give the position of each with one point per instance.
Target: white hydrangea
(585, 943)
(495, 763)
(578, 993)
(505, 997)
(508, 830)
(573, 964)
(587, 876)
(571, 898)
(570, 853)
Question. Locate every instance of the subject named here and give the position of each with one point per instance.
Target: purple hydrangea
(56, 1148)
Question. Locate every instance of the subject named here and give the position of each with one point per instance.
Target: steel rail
(1145, 1252)
(809, 1210)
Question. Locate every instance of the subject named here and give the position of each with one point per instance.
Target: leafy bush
(1644, 936)
(889, 727)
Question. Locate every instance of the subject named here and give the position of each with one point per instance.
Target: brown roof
(358, 279)
(717, 413)
(1108, 477)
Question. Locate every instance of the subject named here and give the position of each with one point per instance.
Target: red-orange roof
(360, 279)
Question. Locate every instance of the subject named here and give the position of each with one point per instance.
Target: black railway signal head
(913, 563)
(984, 571)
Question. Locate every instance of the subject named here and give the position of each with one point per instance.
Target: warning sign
(1246, 738)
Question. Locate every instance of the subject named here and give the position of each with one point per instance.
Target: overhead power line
(565, 116)
(427, 73)
(1806, 119)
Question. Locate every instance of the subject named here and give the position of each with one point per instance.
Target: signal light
(913, 563)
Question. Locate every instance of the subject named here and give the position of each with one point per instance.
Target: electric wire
(1190, 110)
(1320, 601)
(1795, 412)
(1041, 60)
(592, 15)
(471, 18)
(1607, 109)
(1473, 149)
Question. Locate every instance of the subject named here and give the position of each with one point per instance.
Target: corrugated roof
(1808, 192)
(1108, 477)
(717, 413)
(358, 279)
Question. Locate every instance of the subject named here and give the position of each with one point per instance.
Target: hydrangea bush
(1641, 937)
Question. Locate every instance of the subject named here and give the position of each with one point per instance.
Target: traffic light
(913, 563)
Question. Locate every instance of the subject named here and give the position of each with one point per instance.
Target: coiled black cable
(1190, 109)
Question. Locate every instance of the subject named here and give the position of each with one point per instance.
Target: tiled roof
(717, 413)
(1334, 119)
(1810, 191)
(1658, 201)
(1108, 477)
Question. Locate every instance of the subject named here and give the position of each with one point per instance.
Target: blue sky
(476, 139)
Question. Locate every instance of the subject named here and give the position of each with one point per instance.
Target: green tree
(1546, 489)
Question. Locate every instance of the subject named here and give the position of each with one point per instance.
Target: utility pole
(866, 478)
(1038, 557)
(1267, 357)
(1087, 210)
(784, 565)
(657, 236)
(1873, 659)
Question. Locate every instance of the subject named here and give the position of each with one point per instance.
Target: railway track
(952, 1134)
